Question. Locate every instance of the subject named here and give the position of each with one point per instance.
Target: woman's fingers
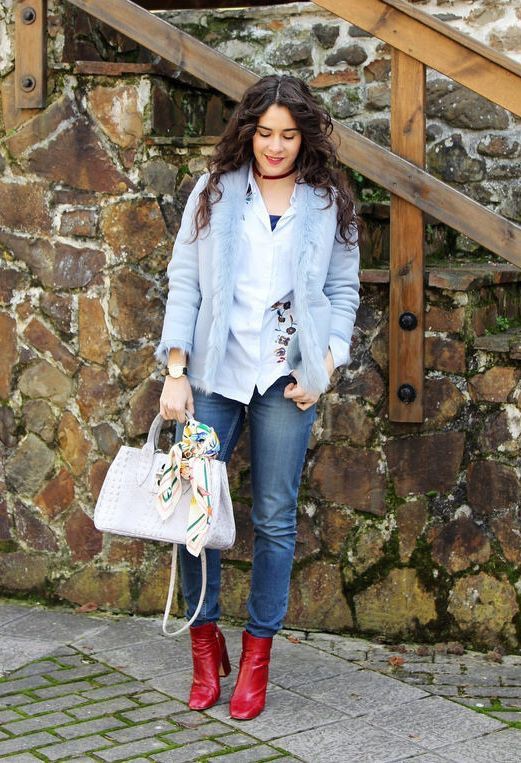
(300, 397)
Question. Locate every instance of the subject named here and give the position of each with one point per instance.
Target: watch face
(176, 371)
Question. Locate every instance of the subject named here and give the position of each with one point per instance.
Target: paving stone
(427, 757)
(185, 736)
(15, 652)
(115, 635)
(285, 713)
(68, 750)
(35, 668)
(495, 691)
(96, 709)
(251, 755)
(507, 715)
(358, 692)
(13, 700)
(440, 690)
(95, 726)
(6, 716)
(236, 740)
(500, 747)
(178, 684)
(53, 625)
(191, 720)
(50, 705)
(188, 753)
(58, 690)
(24, 757)
(132, 749)
(350, 740)
(295, 667)
(151, 658)
(116, 690)
(22, 684)
(150, 729)
(433, 722)
(26, 742)
(73, 674)
(111, 678)
(160, 710)
(151, 698)
(26, 725)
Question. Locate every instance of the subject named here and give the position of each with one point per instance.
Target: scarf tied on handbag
(188, 460)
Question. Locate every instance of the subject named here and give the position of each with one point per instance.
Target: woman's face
(276, 141)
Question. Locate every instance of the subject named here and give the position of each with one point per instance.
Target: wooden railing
(418, 40)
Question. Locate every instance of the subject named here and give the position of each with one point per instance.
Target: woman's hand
(298, 394)
(176, 398)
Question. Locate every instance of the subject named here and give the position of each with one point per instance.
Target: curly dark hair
(315, 163)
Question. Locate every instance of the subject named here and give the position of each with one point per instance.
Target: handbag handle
(156, 426)
(171, 587)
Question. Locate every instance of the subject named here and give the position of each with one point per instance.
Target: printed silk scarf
(188, 460)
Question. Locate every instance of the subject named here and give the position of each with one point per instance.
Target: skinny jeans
(279, 433)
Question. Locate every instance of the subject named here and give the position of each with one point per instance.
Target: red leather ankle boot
(249, 696)
(210, 659)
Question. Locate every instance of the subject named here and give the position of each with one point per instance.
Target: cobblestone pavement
(100, 688)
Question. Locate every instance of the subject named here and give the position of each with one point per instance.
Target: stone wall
(405, 531)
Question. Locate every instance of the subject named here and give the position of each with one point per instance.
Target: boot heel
(224, 668)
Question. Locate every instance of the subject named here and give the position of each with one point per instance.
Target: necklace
(272, 177)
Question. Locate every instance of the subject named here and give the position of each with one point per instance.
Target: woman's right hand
(176, 398)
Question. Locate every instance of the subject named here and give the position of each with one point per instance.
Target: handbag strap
(171, 587)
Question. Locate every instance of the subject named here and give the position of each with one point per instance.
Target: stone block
(235, 587)
(350, 476)
(106, 438)
(7, 427)
(98, 397)
(153, 593)
(9, 353)
(5, 522)
(134, 229)
(73, 444)
(20, 571)
(58, 308)
(24, 207)
(378, 97)
(44, 340)
(40, 419)
(421, 464)
(127, 551)
(411, 518)
(83, 540)
(498, 145)
(368, 385)
(501, 432)
(448, 159)
(243, 546)
(329, 79)
(365, 547)
(335, 524)
(109, 590)
(492, 486)
(28, 466)
(378, 70)
(79, 222)
(460, 107)
(134, 306)
(507, 530)
(495, 385)
(143, 407)
(317, 600)
(484, 608)
(94, 338)
(459, 544)
(443, 402)
(97, 474)
(159, 176)
(136, 364)
(57, 495)
(445, 354)
(326, 34)
(118, 112)
(396, 605)
(77, 158)
(11, 280)
(348, 420)
(39, 128)
(446, 320)
(75, 267)
(290, 52)
(32, 531)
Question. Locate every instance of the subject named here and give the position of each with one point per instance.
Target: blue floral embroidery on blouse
(286, 327)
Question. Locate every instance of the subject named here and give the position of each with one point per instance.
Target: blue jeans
(279, 433)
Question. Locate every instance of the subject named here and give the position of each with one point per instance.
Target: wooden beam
(406, 298)
(172, 44)
(375, 162)
(493, 76)
(31, 54)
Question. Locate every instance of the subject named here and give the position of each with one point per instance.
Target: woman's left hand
(298, 394)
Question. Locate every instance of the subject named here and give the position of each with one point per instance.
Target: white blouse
(263, 320)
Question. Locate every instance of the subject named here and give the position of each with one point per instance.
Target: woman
(263, 292)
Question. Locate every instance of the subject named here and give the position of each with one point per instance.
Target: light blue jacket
(201, 285)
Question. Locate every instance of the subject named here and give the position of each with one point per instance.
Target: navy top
(274, 220)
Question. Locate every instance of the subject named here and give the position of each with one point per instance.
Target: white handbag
(127, 506)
